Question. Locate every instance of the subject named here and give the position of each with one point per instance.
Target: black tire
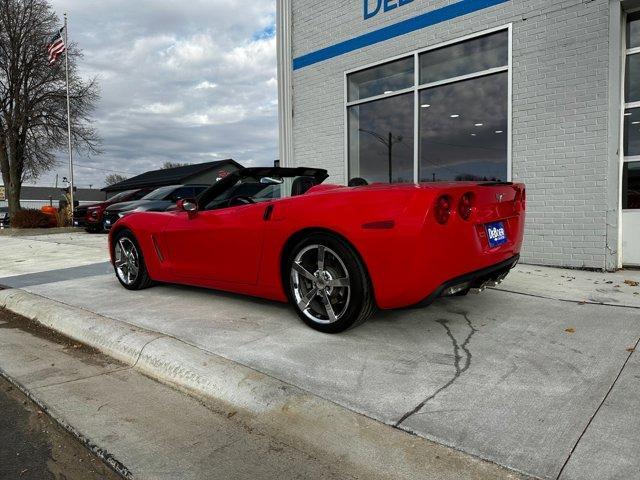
(93, 229)
(359, 303)
(142, 279)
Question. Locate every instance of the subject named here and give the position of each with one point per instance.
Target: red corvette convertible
(335, 252)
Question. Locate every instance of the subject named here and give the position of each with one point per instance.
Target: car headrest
(358, 182)
(301, 184)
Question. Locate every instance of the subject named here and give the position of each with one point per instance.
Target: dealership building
(535, 91)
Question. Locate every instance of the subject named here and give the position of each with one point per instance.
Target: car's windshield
(160, 193)
(119, 196)
(248, 188)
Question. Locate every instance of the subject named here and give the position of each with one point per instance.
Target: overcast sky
(186, 81)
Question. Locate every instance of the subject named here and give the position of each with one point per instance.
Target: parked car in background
(91, 216)
(334, 252)
(156, 201)
(4, 217)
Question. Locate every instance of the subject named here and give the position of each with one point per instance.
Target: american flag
(55, 46)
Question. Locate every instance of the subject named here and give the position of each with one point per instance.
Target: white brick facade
(565, 119)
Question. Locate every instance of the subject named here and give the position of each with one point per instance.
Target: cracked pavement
(464, 346)
(517, 375)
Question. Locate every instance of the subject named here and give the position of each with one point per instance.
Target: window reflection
(385, 78)
(632, 78)
(462, 125)
(381, 140)
(631, 186)
(463, 58)
(463, 130)
(632, 132)
(633, 30)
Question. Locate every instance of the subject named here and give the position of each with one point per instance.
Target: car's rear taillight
(465, 206)
(442, 209)
(524, 198)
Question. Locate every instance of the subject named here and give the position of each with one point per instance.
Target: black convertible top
(319, 175)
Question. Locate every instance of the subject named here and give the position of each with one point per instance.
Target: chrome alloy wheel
(127, 261)
(320, 283)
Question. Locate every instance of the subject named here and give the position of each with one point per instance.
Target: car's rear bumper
(475, 279)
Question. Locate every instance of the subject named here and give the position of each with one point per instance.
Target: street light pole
(390, 157)
(388, 142)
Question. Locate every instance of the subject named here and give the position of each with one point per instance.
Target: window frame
(417, 87)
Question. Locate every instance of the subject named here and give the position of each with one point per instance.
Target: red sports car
(335, 252)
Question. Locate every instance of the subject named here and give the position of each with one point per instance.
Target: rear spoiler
(495, 184)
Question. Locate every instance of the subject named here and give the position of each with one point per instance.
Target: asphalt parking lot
(540, 376)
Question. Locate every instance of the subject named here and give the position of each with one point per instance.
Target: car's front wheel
(328, 284)
(129, 262)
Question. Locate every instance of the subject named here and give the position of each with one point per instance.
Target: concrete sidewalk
(515, 376)
(147, 430)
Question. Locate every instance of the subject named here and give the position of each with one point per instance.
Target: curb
(319, 425)
(157, 355)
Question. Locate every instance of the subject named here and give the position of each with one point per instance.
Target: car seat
(301, 184)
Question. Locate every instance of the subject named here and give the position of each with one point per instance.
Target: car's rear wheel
(328, 284)
(129, 262)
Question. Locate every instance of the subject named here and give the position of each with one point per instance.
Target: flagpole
(66, 67)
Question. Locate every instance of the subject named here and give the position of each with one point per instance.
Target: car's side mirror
(189, 205)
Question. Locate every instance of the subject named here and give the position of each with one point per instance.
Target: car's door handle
(267, 213)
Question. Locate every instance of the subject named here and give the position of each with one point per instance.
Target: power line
(102, 169)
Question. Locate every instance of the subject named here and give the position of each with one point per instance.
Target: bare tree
(169, 164)
(113, 178)
(33, 116)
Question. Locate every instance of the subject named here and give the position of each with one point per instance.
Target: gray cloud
(182, 81)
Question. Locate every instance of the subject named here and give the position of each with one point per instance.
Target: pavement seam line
(587, 302)
(593, 416)
(52, 242)
(82, 378)
(104, 455)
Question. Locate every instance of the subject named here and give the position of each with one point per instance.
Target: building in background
(539, 91)
(38, 197)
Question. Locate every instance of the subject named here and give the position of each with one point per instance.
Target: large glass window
(386, 78)
(632, 78)
(631, 119)
(475, 55)
(633, 30)
(631, 132)
(381, 139)
(462, 125)
(631, 186)
(463, 130)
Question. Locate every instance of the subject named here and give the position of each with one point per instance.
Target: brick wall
(560, 106)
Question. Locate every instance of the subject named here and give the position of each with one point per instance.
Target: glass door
(631, 145)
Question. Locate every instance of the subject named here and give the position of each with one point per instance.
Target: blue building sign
(373, 7)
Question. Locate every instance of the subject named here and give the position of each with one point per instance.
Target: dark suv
(91, 216)
(157, 201)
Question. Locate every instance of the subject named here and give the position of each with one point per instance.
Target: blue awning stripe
(428, 19)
